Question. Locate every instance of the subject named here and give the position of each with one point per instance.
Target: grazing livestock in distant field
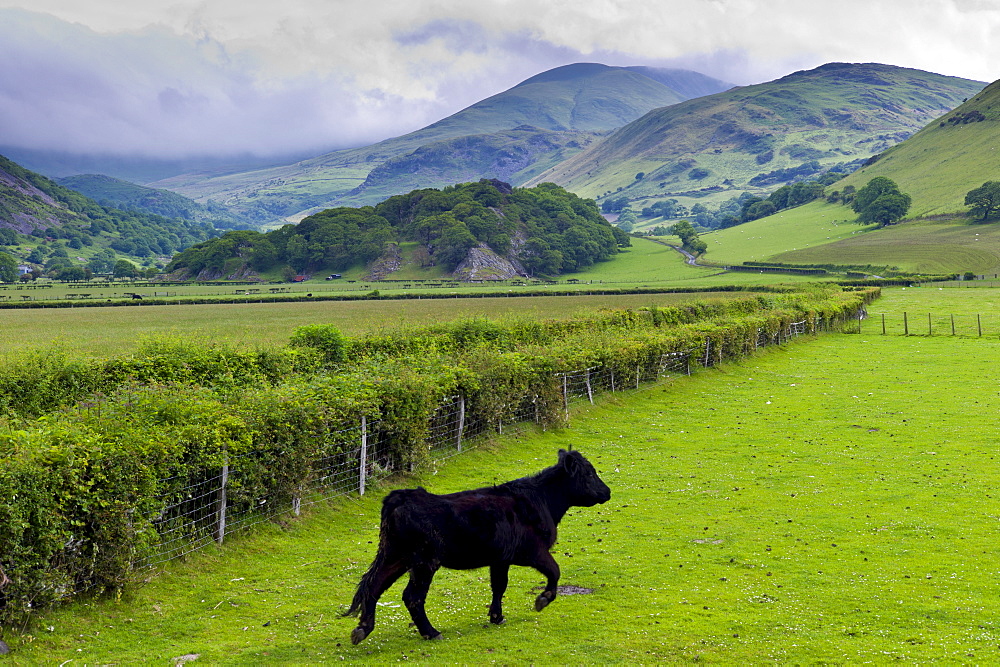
(499, 526)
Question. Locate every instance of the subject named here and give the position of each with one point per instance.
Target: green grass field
(814, 225)
(831, 501)
(823, 233)
(920, 246)
(100, 332)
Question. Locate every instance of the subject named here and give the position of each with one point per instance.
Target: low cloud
(176, 78)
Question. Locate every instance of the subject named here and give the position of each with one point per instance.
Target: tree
(985, 199)
(886, 209)
(102, 261)
(880, 202)
(125, 269)
(689, 237)
(8, 268)
(73, 274)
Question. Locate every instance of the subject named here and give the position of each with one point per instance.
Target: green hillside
(824, 233)
(512, 156)
(49, 227)
(583, 99)
(950, 156)
(757, 137)
(937, 166)
(132, 197)
(474, 231)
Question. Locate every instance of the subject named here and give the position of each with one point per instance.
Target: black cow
(499, 526)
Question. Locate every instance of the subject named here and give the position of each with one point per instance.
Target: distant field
(822, 233)
(812, 225)
(645, 264)
(108, 331)
(922, 246)
(973, 310)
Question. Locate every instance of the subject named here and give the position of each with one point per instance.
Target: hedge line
(375, 295)
(89, 460)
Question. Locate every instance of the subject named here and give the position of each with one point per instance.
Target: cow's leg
(498, 583)
(548, 566)
(414, 597)
(377, 583)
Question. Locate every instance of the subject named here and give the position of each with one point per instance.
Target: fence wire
(205, 509)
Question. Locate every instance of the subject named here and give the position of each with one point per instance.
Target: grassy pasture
(814, 225)
(96, 332)
(973, 307)
(922, 246)
(823, 233)
(830, 501)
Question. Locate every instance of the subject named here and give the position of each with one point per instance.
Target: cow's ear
(562, 454)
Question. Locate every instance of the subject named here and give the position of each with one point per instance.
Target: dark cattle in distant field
(499, 526)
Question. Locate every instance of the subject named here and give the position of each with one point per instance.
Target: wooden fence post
(363, 472)
(906, 325)
(953, 325)
(461, 422)
(590, 391)
(220, 517)
(929, 332)
(979, 324)
(883, 324)
(565, 396)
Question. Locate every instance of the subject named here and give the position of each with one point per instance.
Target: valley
(263, 265)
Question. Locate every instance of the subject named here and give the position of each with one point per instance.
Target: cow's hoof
(497, 620)
(358, 635)
(435, 635)
(541, 602)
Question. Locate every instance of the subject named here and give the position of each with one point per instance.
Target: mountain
(755, 138)
(48, 225)
(132, 197)
(938, 165)
(510, 136)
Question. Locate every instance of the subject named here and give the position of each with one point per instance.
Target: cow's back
(467, 529)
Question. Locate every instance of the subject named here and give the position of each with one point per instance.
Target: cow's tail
(365, 586)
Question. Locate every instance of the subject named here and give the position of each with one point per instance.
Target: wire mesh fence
(208, 506)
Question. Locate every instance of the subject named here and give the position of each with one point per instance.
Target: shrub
(323, 337)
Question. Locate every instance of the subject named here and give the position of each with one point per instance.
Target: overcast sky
(176, 78)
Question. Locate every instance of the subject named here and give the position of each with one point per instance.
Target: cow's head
(585, 487)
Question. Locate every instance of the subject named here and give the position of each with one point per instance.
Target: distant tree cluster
(787, 196)
(964, 118)
(614, 204)
(803, 170)
(690, 240)
(984, 200)
(560, 231)
(8, 268)
(880, 202)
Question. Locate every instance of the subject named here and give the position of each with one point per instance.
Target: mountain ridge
(806, 121)
(586, 98)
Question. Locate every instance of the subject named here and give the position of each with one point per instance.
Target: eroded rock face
(483, 264)
(390, 261)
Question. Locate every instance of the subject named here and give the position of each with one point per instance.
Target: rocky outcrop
(389, 262)
(483, 264)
